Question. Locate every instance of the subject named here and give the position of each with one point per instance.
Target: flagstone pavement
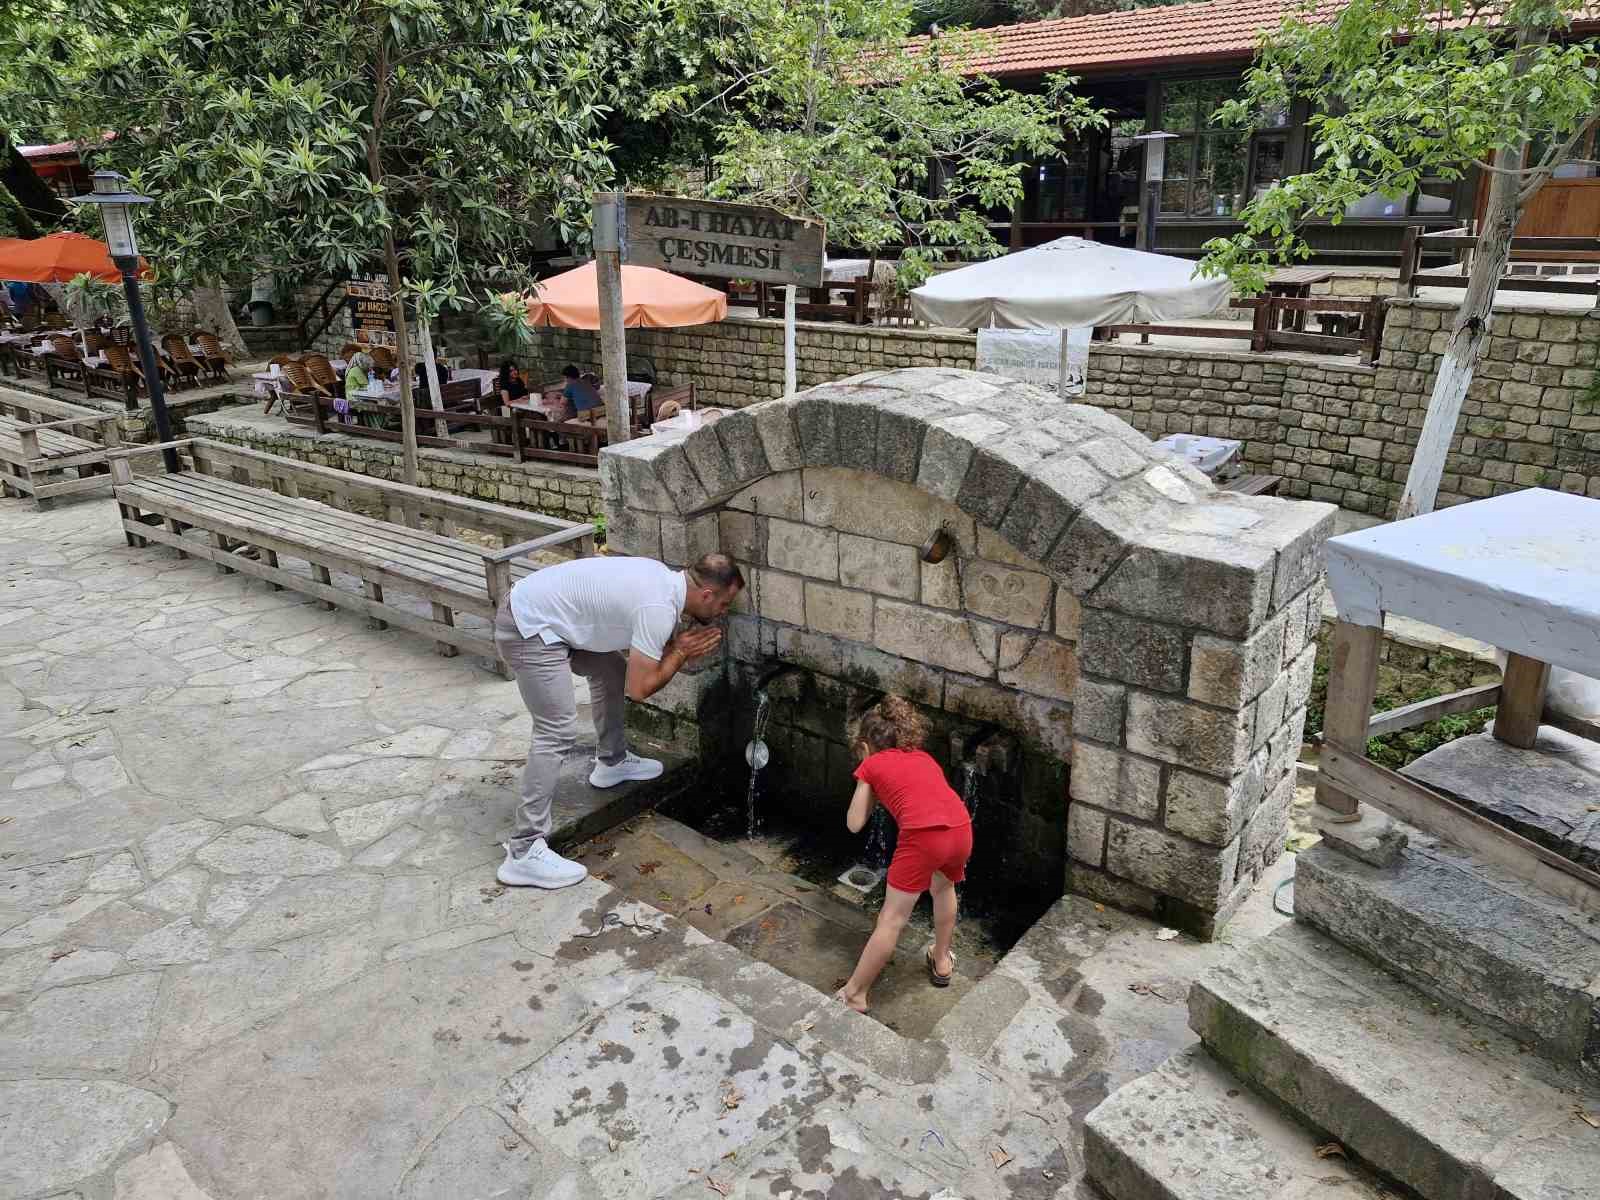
(251, 944)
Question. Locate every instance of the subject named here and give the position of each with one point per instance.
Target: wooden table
(1520, 571)
(1295, 283)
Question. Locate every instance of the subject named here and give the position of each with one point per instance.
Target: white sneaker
(631, 767)
(540, 866)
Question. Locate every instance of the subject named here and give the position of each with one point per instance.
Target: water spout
(757, 755)
(972, 773)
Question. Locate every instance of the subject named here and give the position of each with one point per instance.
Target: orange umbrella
(651, 299)
(58, 258)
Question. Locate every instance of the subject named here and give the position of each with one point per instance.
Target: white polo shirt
(601, 604)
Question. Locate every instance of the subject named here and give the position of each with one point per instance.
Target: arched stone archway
(1172, 655)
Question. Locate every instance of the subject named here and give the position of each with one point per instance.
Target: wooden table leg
(1516, 721)
(1352, 682)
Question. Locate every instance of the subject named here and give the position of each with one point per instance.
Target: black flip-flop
(934, 977)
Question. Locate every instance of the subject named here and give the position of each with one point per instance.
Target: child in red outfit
(934, 843)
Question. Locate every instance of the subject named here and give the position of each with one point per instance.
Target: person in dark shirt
(512, 387)
(580, 394)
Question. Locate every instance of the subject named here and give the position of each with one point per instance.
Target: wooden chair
(216, 359)
(119, 360)
(96, 342)
(300, 377)
(383, 358)
(322, 372)
(185, 366)
(65, 347)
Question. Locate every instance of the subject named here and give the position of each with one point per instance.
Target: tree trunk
(402, 352)
(212, 314)
(1470, 333)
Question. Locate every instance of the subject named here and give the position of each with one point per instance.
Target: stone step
(1190, 1130)
(1469, 934)
(1443, 1104)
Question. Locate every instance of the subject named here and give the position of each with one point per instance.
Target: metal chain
(966, 616)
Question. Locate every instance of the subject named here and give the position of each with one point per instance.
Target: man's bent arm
(647, 676)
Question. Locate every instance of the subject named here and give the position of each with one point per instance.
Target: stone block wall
(1105, 607)
(571, 493)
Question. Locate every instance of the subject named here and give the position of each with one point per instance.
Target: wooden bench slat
(250, 524)
(330, 523)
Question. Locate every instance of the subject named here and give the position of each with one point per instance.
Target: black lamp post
(1155, 171)
(116, 203)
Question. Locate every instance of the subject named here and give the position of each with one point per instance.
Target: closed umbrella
(58, 258)
(651, 299)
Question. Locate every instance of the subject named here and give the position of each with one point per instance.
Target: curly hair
(893, 724)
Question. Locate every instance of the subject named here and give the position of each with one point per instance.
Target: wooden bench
(50, 448)
(359, 527)
(1253, 485)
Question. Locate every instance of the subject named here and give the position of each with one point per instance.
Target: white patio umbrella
(1069, 283)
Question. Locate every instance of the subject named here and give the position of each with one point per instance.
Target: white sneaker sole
(632, 775)
(549, 885)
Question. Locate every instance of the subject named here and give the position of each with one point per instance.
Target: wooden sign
(729, 241)
(370, 312)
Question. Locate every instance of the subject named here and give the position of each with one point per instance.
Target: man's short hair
(716, 571)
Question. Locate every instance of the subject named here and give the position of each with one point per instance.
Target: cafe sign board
(370, 312)
(729, 241)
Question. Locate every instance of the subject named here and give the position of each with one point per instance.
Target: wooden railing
(1278, 323)
(1553, 265)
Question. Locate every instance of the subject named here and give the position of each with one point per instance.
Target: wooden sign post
(698, 237)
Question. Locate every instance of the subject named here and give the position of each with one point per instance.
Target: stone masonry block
(939, 638)
(901, 423)
(1214, 810)
(1212, 740)
(741, 443)
(1173, 866)
(1085, 880)
(947, 449)
(1296, 530)
(1266, 832)
(1086, 834)
(1300, 674)
(1069, 615)
(855, 421)
(1097, 710)
(1217, 584)
(1043, 723)
(1131, 650)
(685, 539)
(775, 496)
(780, 440)
(680, 479)
(704, 450)
(629, 531)
(814, 422)
(839, 612)
(1115, 780)
(634, 465)
(1231, 674)
(804, 648)
(1050, 668)
(1113, 521)
(869, 506)
(888, 568)
(803, 549)
(1006, 594)
(740, 535)
(1054, 493)
(880, 672)
(779, 597)
(995, 474)
(1270, 709)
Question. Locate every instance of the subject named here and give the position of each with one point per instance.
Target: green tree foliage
(830, 113)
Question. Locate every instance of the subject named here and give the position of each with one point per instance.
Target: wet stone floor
(251, 943)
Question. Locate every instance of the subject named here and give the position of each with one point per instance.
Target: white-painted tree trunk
(212, 314)
(791, 370)
(441, 427)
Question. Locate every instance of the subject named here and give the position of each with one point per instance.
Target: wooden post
(1516, 721)
(443, 614)
(374, 592)
(1261, 324)
(1352, 682)
(608, 236)
(1410, 252)
(790, 371)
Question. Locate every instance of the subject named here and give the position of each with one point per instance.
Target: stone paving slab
(251, 943)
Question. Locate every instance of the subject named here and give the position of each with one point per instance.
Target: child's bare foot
(859, 1003)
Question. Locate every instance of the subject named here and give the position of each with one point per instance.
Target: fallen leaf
(999, 1156)
(1588, 1118)
(664, 896)
(1099, 908)
(647, 868)
(603, 876)
(1145, 989)
(1330, 1150)
(739, 899)
(807, 1026)
(1166, 935)
(5, 820)
(731, 1097)
(717, 1186)
(58, 955)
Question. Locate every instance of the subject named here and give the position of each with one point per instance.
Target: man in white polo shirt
(611, 620)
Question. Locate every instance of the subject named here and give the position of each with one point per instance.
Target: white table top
(1207, 454)
(1520, 571)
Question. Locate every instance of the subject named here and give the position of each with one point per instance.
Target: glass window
(1209, 167)
(1218, 186)
(1175, 181)
(1271, 157)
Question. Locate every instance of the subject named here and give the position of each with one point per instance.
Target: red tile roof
(1215, 31)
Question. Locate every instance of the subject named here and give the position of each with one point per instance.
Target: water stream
(756, 755)
(972, 773)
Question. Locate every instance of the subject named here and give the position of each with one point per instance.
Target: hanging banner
(1034, 356)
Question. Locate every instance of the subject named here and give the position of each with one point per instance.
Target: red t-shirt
(912, 786)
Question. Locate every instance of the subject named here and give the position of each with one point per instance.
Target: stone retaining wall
(572, 493)
(1175, 653)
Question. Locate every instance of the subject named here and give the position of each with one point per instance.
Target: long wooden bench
(257, 510)
(50, 448)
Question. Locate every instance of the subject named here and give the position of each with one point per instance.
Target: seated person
(511, 385)
(582, 393)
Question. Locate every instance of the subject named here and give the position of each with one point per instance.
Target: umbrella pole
(1061, 370)
(790, 373)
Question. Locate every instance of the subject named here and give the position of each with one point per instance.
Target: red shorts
(920, 852)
